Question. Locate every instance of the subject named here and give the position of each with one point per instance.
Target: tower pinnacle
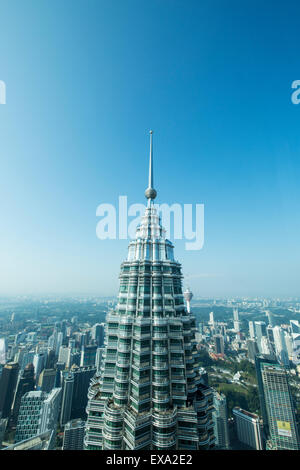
(150, 192)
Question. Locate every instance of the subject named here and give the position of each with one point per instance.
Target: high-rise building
(38, 413)
(236, 321)
(67, 396)
(27, 359)
(47, 380)
(260, 331)
(8, 382)
(219, 344)
(247, 428)
(252, 349)
(295, 334)
(280, 346)
(251, 329)
(50, 362)
(149, 393)
(88, 355)
(98, 333)
(3, 424)
(73, 435)
(39, 360)
(276, 405)
(220, 419)
(64, 354)
(75, 385)
(82, 380)
(266, 348)
(60, 338)
(270, 318)
(99, 356)
(25, 384)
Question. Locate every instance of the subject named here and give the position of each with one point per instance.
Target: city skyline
(75, 131)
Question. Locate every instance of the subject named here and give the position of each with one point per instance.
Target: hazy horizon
(84, 86)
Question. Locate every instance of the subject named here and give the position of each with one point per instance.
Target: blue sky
(86, 80)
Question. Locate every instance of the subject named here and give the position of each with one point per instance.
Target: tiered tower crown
(148, 394)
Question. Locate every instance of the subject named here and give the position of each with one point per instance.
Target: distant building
(67, 396)
(98, 333)
(252, 349)
(280, 346)
(247, 427)
(236, 321)
(47, 380)
(251, 330)
(3, 424)
(74, 435)
(260, 331)
(220, 420)
(75, 385)
(270, 318)
(64, 354)
(219, 344)
(51, 358)
(25, 384)
(88, 355)
(38, 413)
(277, 405)
(8, 384)
(39, 360)
(295, 334)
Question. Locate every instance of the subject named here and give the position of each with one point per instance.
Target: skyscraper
(73, 435)
(260, 331)
(88, 355)
(295, 334)
(220, 419)
(38, 413)
(47, 380)
(251, 330)
(67, 396)
(98, 331)
(276, 405)
(25, 384)
(148, 394)
(247, 428)
(270, 318)
(280, 345)
(252, 349)
(3, 350)
(219, 344)
(236, 320)
(8, 384)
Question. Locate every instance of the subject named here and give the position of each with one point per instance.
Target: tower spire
(150, 192)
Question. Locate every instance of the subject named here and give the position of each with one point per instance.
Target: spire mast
(150, 192)
(150, 185)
